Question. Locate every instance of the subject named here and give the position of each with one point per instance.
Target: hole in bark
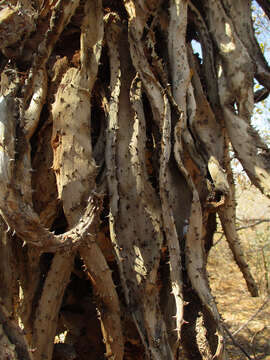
(60, 224)
(69, 41)
(68, 45)
(164, 281)
(192, 33)
(161, 49)
(152, 144)
(36, 138)
(104, 73)
(211, 227)
(99, 101)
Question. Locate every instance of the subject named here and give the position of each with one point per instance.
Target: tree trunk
(115, 140)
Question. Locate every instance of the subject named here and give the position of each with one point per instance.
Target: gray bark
(114, 159)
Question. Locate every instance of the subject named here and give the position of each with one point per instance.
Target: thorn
(14, 232)
(24, 243)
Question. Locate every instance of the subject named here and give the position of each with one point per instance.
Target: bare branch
(261, 95)
(227, 217)
(252, 317)
(236, 343)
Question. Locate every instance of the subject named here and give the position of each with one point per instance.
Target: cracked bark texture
(114, 157)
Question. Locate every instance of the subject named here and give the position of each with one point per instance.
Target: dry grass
(237, 306)
(228, 286)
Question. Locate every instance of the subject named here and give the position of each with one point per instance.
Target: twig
(236, 343)
(257, 222)
(220, 238)
(252, 343)
(253, 316)
(253, 220)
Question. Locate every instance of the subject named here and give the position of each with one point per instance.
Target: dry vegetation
(88, 87)
(234, 301)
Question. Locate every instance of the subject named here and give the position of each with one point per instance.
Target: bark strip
(135, 214)
(108, 302)
(195, 256)
(169, 223)
(160, 108)
(46, 317)
(227, 217)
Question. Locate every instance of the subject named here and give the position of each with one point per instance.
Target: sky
(261, 117)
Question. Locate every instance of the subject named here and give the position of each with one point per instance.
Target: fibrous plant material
(114, 160)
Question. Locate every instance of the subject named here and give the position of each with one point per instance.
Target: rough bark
(13, 343)
(114, 148)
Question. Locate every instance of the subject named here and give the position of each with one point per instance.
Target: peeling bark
(138, 236)
(75, 168)
(115, 135)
